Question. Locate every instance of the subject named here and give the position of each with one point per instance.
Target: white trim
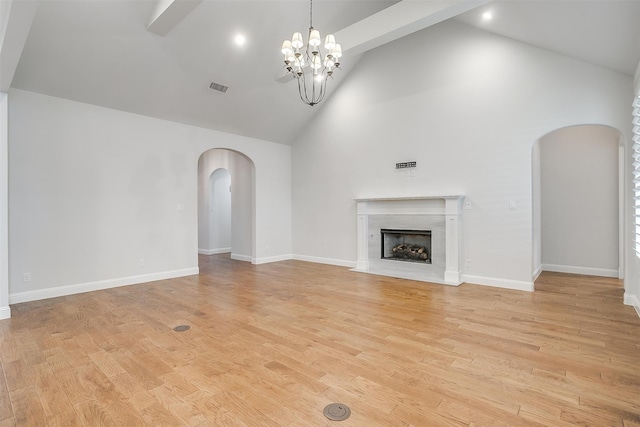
(214, 251)
(518, 285)
(79, 288)
(330, 261)
(238, 257)
(621, 206)
(633, 301)
(635, 182)
(5, 312)
(362, 262)
(588, 271)
(537, 273)
(266, 260)
(452, 278)
(4, 203)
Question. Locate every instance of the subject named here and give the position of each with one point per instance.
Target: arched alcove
(576, 201)
(221, 170)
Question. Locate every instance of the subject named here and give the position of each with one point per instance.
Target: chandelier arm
(323, 86)
(302, 89)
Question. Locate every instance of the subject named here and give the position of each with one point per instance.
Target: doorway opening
(577, 195)
(226, 204)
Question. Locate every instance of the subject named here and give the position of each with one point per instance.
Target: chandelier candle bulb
(314, 38)
(328, 61)
(336, 51)
(287, 49)
(329, 42)
(296, 40)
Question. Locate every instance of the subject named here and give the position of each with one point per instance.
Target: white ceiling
(100, 52)
(602, 32)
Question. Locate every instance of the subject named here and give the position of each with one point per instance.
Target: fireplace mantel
(441, 212)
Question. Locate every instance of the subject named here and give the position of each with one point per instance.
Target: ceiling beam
(394, 22)
(16, 18)
(399, 20)
(169, 13)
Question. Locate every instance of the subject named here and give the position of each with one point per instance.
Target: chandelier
(298, 58)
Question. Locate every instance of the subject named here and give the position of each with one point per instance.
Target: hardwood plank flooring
(271, 345)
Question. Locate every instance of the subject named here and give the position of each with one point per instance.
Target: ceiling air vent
(218, 87)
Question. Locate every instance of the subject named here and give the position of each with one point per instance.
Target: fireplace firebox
(406, 245)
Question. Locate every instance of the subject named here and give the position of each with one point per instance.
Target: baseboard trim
(214, 251)
(330, 261)
(238, 257)
(587, 271)
(632, 300)
(266, 260)
(5, 312)
(518, 285)
(537, 273)
(79, 288)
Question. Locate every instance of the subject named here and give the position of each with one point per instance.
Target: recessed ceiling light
(240, 39)
(487, 16)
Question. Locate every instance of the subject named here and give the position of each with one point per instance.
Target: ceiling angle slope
(169, 13)
(396, 21)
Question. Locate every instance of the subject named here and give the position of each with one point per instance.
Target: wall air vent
(218, 87)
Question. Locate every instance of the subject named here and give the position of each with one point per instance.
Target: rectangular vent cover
(218, 87)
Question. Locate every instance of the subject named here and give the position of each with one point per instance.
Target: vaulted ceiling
(101, 52)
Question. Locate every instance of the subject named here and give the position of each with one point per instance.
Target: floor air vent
(336, 411)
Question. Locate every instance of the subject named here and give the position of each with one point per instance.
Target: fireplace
(430, 222)
(406, 245)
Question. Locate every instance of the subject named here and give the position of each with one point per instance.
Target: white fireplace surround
(440, 214)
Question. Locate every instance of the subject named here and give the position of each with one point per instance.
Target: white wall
(220, 210)
(465, 104)
(579, 200)
(243, 212)
(93, 191)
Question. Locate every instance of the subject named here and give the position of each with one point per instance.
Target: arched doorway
(226, 204)
(577, 212)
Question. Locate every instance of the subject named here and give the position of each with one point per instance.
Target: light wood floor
(271, 345)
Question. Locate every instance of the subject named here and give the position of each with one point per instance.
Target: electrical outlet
(467, 263)
(512, 204)
(467, 205)
(26, 277)
(140, 263)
